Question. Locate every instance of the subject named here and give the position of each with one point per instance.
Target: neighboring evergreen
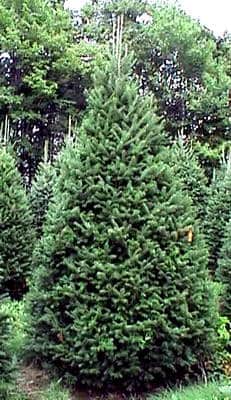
(218, 213)
(121, 294)
(187, 168)
(16, 233)
(5, 356)
(41, 194)
(224, 270)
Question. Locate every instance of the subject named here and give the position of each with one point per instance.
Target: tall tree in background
(43, 75)
(180, 61)
(46, 64)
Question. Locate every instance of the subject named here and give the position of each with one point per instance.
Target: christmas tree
(186, 166)
(218, 213)
(41, 194)
(121, 294)
(6, 365)
(224, 270)
(16, 233)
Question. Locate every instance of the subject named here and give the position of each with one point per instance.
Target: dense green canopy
(122, 294)
(16, 233)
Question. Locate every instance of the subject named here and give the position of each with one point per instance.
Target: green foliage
(197, 81)
(211, 391)
(224, 270)
(5, 356)
(9, 391)
(224, 331)
(12, 339)
(121, 293)
(186, 166)
(16, 235)
(190, 78)
(173, 29)
(210, 157)
(18, 319)
(106, 12)
(218, 213)
(219, 365)
(169, 38)
(41, 194)
(46, 67)
(44, 73)
(54, 392)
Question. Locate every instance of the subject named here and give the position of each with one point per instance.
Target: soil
(32, 381)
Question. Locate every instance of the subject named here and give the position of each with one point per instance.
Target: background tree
(194, 78)
(46, 66)
(186, 166)
(224, 270)
(43, 77)
(41, 194)
(190, 78)
(16, 234)
(218, 213)
(6, 364)
(121, 294)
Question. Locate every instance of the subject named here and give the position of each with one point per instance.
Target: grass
(55, 392)
(211, 391)
(10, 392)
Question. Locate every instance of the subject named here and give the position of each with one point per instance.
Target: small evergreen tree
(5, 356)
(224, 270)
(186, 166)
(121, 294)
(218, 213)
(41, 194)
(16, 234)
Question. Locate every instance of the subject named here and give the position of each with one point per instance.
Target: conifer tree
(122, 294)
(16, 234)
(186, 166)
(218, 213)
(5, 356)
(224, 270)
(41, 194)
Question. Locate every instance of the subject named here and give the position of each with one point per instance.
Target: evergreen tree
(218, 213)
(186, 166)
(121, 294)
(224, 270)
(16, 234)
(41, 194)
(5, 356)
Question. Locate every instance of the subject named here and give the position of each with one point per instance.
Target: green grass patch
(55, 392)
(211, 391)
(9, 391)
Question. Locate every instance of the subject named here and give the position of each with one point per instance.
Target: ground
(36, 385)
